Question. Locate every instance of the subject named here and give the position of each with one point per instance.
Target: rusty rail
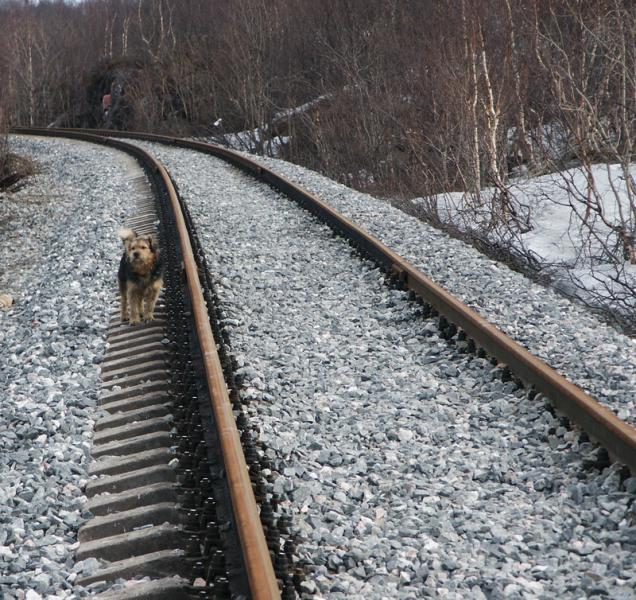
(601, 424)
(262, 579)
(259, 567)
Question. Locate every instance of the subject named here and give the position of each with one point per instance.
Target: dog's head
(141, 251)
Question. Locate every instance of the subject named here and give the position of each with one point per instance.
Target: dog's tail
(126, 235)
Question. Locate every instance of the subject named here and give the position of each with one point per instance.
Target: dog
(140, 276)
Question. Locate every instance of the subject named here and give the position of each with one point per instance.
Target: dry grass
(13, 169)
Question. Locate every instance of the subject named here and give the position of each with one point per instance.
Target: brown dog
(140, 276)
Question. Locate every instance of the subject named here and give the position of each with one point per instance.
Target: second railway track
(413, 494)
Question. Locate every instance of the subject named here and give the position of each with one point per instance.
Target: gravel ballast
(58, 254)
(566, 335)
(408, 470)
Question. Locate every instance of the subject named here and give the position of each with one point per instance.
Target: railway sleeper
(125, 380)
(165, 536)
(154, 493)
(168, 588)
(133, 428)
(130, 480)
(132, 334)
(119, 392)
(115, 321)
(148, 441)
(152, 336)
(137, 402)
(140, 414)
(157, 565)
(112, 465)
(159, 314)
(138, 370)
(134, 350)
(142, 360)
(130, 520)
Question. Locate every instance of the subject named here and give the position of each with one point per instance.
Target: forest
(400, 98)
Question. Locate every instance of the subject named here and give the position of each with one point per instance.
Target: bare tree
(590, 63)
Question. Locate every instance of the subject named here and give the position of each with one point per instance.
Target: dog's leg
(152, 293)
(123, 297)
(135, 299)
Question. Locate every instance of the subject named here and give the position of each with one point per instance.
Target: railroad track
(174, 498)
(455, 320)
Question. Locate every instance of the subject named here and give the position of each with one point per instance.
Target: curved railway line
(198, 523)
(168, 376)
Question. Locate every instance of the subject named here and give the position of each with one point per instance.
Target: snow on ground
(555, 207)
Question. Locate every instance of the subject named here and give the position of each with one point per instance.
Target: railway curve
(448, 327)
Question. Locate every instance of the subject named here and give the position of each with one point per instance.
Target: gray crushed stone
(409, 469)
(58, 254)
(568, 337)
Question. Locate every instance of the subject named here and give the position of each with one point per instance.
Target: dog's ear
(152, 242)
(127, 236)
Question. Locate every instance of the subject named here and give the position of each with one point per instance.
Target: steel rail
(260, 572)
(600, 423)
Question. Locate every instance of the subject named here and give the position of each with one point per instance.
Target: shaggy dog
(140, 276)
